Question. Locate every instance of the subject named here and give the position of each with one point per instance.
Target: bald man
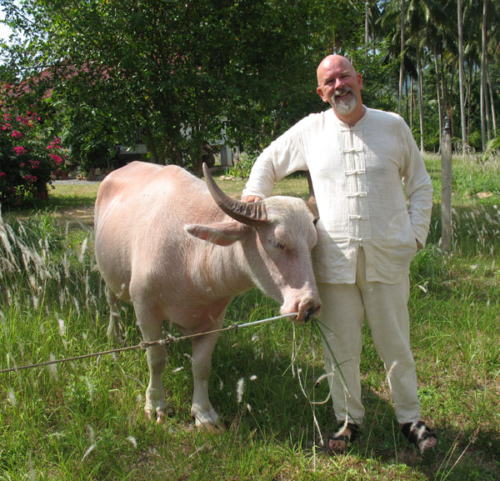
(368, 231)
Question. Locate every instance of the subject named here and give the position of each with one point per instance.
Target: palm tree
(402, 68)
(415, 17)
(439, 36)
(461, 75)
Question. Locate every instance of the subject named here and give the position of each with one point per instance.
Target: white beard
(343, 105)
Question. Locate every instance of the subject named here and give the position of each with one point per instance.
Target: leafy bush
(492, 148)
(28, 161)
(475, 140)
(243, 167)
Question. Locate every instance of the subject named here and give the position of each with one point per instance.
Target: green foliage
(28, 161)
(475, 140)
(182, 72)
(178, 72)
(376, 68)
(493, 148)
(242, 168)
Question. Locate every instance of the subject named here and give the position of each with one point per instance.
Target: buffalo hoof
(207, 420)
(157, 415)
(211, 428)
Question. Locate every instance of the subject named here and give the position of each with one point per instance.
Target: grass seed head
(240, 388)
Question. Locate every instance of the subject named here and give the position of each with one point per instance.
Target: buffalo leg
(114, 314)
(201, 409)
(150, 322)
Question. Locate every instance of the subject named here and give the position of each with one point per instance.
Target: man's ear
(222, 233)
(360, 81)
(319, 90)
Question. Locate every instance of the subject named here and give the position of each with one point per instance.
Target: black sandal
(419, 435)
(346, 439)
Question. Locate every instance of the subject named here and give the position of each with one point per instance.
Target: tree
(178, 70)
(461, 72)
(401, 69)
(483, 76)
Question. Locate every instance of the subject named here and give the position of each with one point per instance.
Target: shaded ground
(77, 215)
(71, 202)
(80, 209)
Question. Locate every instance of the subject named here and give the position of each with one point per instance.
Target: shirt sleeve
(418, 186)
(283, 157)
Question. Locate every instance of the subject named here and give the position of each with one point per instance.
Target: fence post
(446, 219)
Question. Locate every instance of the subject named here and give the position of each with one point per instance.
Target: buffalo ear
(313, 207)
(221, 233)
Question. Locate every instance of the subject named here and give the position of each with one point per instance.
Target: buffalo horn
(249, 213)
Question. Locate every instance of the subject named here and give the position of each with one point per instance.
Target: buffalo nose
(312, 312)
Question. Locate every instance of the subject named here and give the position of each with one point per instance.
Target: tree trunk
(407, 101)
(483, 105)
(420, 98)
(367, 26)
(446, 188)
(444, 85)
(469, 82)
(492, 102)
(449, 105)
(461, 74)
(402, 65)
(412, 102)
(438, 92)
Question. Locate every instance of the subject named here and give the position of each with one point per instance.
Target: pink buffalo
(179, 250)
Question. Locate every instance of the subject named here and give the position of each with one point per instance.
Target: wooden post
(446, 219)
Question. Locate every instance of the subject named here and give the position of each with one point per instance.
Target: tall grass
(84, 420)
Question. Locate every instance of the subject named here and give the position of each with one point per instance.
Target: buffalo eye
(277, 244)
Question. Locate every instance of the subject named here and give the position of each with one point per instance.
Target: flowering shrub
(28, 163)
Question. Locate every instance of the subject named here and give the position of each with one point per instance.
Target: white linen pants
(385, 307)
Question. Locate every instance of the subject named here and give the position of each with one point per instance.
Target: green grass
(84, 420)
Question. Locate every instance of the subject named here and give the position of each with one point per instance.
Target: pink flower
(16, 134)
(2, 174)
(30, 178)
(19, 150)
(55, 144)
(6, 127)
(56, 159)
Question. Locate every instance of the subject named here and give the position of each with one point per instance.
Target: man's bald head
(333, 60)
(340, 85)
